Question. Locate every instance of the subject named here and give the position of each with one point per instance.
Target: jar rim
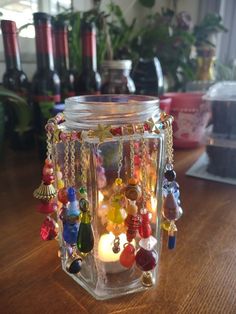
(110, 109)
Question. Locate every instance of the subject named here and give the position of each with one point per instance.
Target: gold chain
(72, 162)
(83, 160)
(132, 157)
(169, 145)
(144, 170)
(66, 163)
(120, 155)
(49, 146)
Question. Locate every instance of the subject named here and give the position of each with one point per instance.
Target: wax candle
(107, 256)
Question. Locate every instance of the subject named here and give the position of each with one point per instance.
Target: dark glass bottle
(148, 77)
(16, 80)
(46, 82)
(67, 76)
(89, 81)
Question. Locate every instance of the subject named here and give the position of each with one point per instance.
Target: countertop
(199, 276)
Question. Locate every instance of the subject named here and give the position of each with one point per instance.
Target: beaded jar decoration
(109, 180)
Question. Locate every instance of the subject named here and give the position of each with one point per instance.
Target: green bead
(83, 204)
(85, 240)
(85, 217)
(82, 190)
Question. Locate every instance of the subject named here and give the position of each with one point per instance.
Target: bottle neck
(89, 51)
(62, 51)
(44, 51)
(12, 52)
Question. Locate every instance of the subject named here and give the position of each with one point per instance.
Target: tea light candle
(107, 256)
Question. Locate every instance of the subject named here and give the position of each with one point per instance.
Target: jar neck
(114, 73)
(86, 112)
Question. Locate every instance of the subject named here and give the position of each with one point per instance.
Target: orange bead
(127, 256)
(133, 181)
(62, 196)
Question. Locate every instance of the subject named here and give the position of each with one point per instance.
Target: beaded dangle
(132, 221)
(171, 209)
(85, 239)
(116, 214)
(69, 211)
(46, 193)
(146, 256)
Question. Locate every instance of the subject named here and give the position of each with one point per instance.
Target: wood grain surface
(198, 277)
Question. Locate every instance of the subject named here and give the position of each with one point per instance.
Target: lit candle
(110, 259)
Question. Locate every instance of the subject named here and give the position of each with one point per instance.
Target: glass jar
(110, 149)
(116, 77)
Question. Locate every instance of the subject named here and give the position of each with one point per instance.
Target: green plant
(168, 36)
(211, 24)
(22, 110)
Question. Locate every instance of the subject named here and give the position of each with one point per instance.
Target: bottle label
(44, 38)
(61, 43)
(10, 44)
(47, 98)
(89, 44)
(69, 94)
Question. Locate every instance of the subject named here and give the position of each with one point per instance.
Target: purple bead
(146, 260)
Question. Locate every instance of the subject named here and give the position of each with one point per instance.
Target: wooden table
(198, 277)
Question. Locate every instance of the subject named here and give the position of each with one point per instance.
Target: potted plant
(205, 43)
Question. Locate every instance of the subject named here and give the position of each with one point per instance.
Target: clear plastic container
(221, 144)
(222, 99)
(101, 274)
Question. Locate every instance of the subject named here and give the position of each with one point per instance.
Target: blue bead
(73, 209)
(71, 194)
(70, 232)
(171, 242)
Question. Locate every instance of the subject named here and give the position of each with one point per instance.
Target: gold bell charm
(45, 192)
(147, 279)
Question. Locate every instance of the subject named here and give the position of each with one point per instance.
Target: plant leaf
(147, 3)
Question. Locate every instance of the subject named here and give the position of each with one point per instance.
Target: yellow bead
(114, 215)
(60, 184)
(118, 181)
(165, 225)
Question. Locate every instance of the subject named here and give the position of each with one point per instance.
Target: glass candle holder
(108, 155)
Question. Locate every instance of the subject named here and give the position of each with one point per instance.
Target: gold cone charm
(147, 279)
(45, 192)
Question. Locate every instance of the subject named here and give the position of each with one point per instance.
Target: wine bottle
(89, 81)
(67, 77)
(46, 82)
(18, 126)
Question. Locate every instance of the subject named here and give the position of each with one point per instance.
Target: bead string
(120, 154)
(83, 164)
(66, 163)
(132, 157)
(103, 131)
(72, 162)
(49, 145)
(169, 145)
(144, 171)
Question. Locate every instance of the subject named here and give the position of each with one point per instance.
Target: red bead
(48, 179)
(62, 196)
(47, 207)
(48, 163)
(137, 160)
(132, 222)
(146, 127)
(47, 171)
(145, 229)
(116, 131)
(127, 256)
(146, 260)
(49, 229)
